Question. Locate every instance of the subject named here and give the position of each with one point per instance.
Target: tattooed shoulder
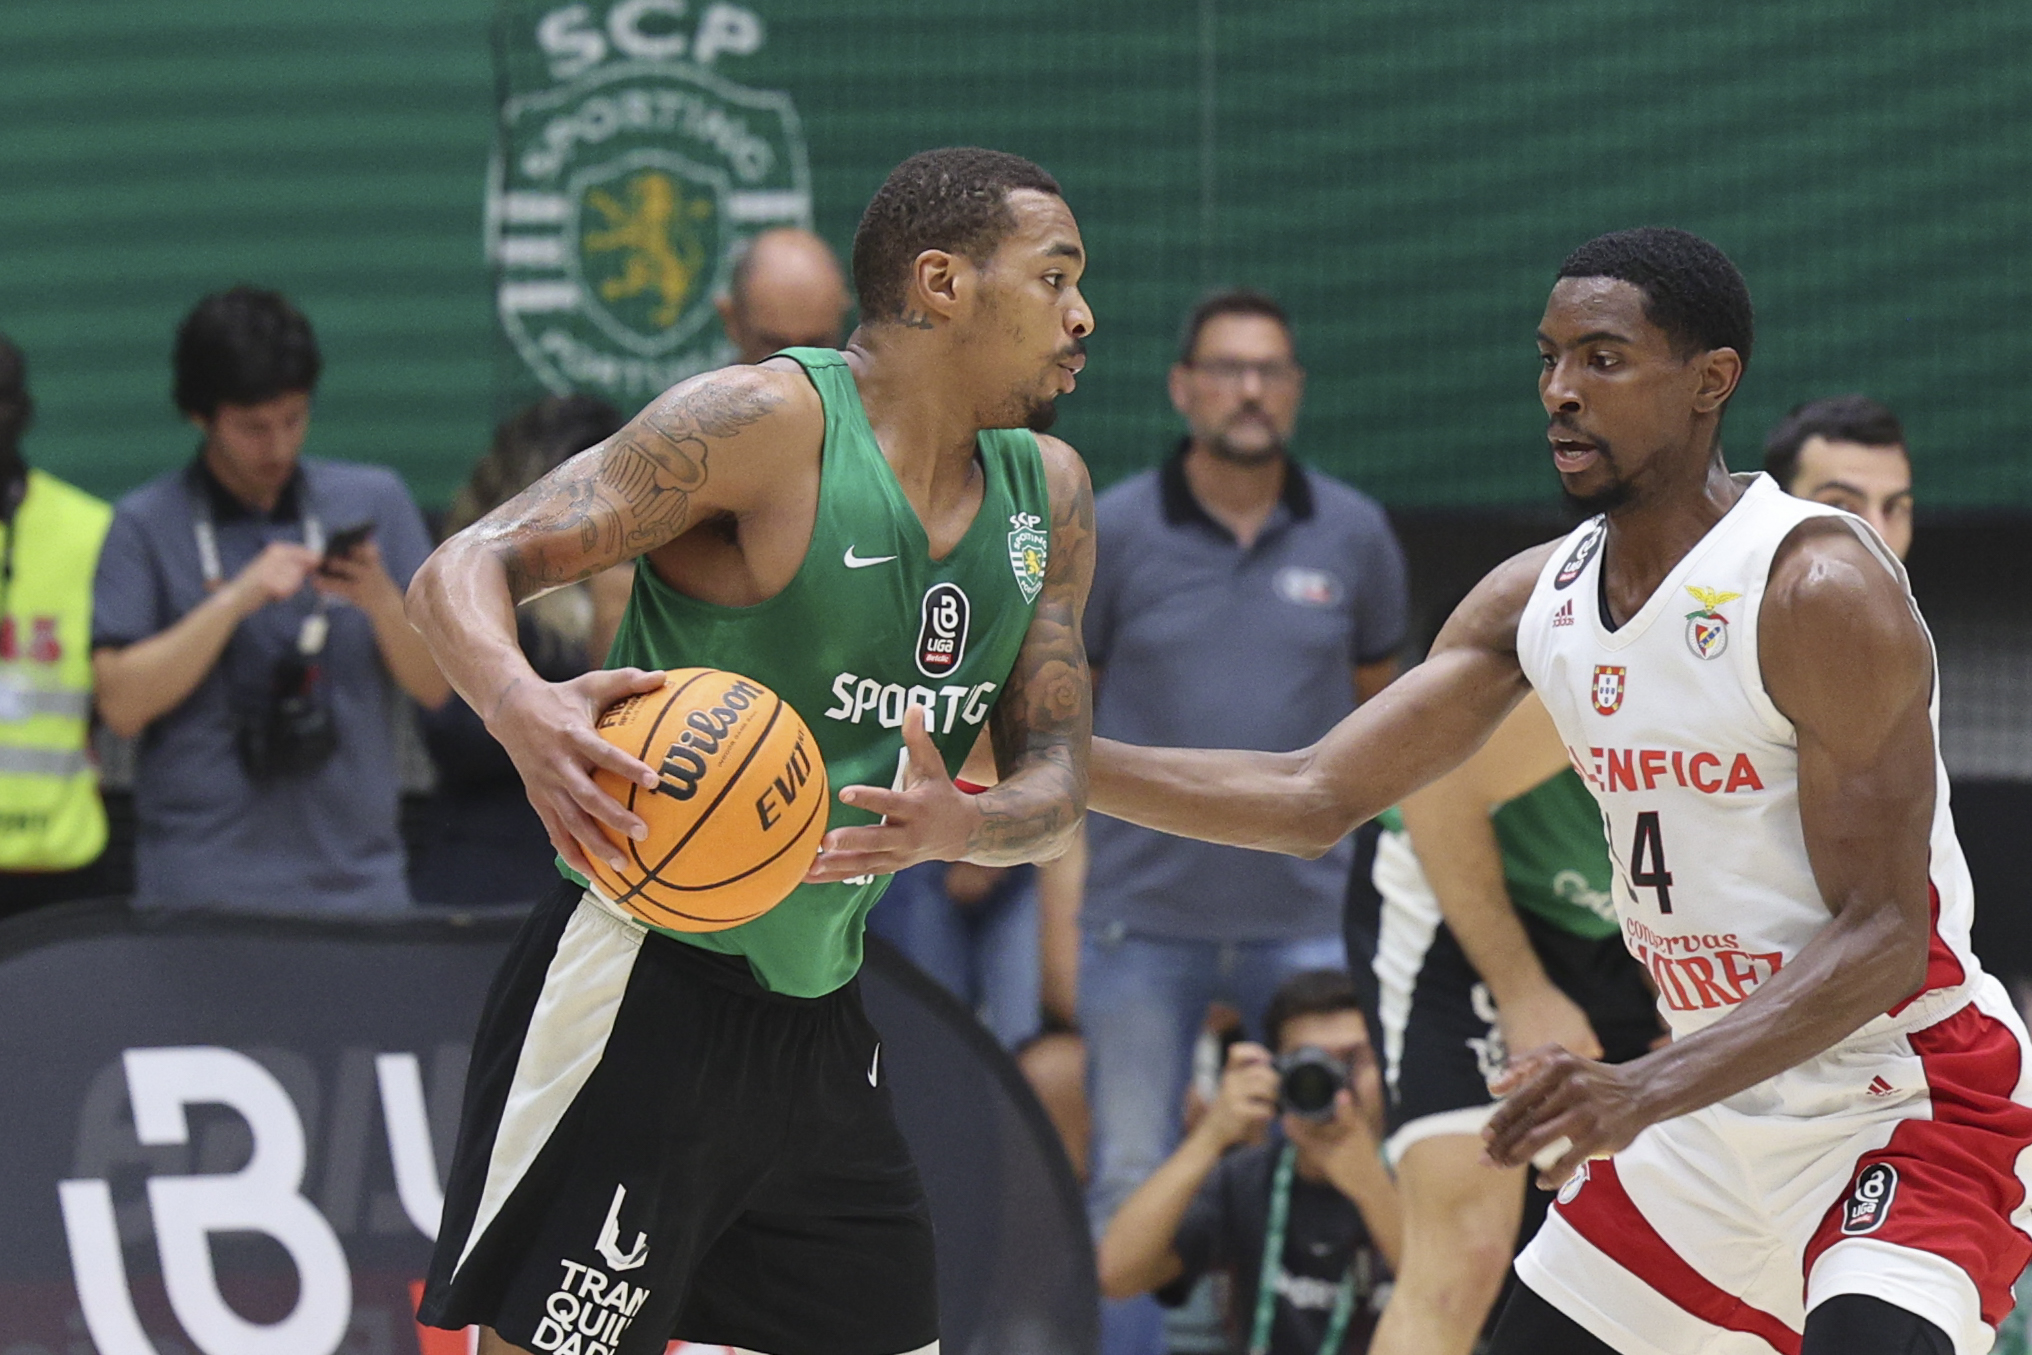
(639, 489)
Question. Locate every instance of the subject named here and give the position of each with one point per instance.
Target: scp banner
(629, 173)
(227, 1136)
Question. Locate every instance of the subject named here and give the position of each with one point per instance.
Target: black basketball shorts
(654, 1147)
(1431, 1017)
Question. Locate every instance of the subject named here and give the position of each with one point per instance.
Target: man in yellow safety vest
(52, 823)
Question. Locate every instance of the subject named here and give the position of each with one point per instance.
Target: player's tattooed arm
(628, 495)
(665, 472)
(1040, 729)
(1416, 729)
(1043, 722)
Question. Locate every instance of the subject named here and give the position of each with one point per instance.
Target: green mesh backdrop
(1405, 175)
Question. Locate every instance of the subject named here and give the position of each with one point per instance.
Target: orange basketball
(735, 821)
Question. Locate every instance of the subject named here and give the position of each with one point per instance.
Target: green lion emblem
(1029, 549)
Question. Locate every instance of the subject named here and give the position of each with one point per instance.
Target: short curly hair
(956, 199)
(1691, 290)
(245, 346)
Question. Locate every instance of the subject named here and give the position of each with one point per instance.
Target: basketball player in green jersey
(1480, 920)
(689, 1136)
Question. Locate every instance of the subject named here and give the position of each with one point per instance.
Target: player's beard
(1606, 498)
(1603, 499)
(1040, 412)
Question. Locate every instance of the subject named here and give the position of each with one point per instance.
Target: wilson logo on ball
(740, 803)
(685, 761)
(942, 638)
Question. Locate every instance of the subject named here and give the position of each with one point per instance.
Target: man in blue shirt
(247, 629)
(1239, 601)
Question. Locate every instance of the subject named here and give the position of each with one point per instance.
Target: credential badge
(1029, 548)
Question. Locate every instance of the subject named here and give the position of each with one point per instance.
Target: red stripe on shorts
(1604, 1214)
(1958, 1171)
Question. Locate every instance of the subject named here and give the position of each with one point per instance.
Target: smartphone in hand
(344, 542)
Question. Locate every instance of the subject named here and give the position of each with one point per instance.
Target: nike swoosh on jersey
(873, 1064)
(854, 561)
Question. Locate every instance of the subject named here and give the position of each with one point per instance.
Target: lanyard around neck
(310, 637)
(1273, 1268)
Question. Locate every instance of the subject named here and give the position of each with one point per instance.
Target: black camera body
(293, 733)
(1308, 1079)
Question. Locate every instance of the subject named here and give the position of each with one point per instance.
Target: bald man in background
(788, 292)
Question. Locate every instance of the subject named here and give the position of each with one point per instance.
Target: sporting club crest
(1029, 549)
(1707, 630)
(625, 185)
(1608, 688)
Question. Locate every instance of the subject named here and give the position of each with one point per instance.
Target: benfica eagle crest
(1707, 630)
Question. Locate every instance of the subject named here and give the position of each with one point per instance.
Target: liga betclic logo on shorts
(1870, 1201)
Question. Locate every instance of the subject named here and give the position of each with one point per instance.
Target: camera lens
(1308, 1082)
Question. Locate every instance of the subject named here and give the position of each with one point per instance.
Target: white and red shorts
(1896, 1167)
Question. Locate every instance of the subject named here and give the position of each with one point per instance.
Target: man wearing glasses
(1239, 601)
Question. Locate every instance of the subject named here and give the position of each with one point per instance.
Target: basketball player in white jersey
(1826, 1156)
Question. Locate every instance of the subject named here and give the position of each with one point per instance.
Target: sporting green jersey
(1555, 857)
(870, 625)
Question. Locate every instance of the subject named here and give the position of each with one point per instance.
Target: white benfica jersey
(1697, 774)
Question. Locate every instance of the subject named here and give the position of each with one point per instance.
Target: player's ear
(1721, 372)
(938, 281)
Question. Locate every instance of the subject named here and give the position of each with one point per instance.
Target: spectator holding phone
(247, 630)
(1302, 1217)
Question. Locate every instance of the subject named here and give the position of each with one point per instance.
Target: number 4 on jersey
(1647, 860)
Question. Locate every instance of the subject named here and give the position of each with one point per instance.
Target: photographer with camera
(1281, 1184)
(248, 630)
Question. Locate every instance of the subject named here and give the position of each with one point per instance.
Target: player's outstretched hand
(926, 818)
(1551, 1094)
(547, 728)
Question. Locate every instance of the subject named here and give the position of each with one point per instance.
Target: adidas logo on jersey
(1879, 1087)
(1564, 616)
